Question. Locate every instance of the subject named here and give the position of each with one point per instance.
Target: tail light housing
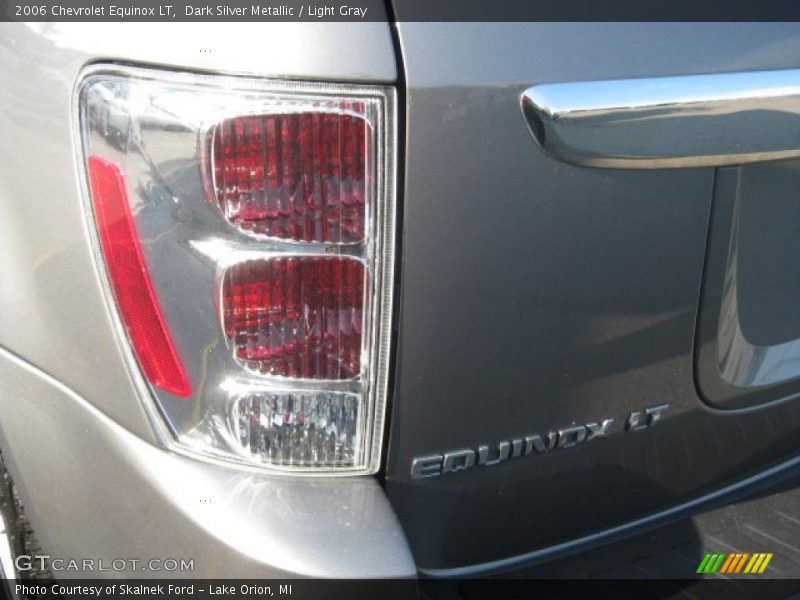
(244, 234)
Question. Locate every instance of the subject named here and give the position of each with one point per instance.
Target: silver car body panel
(102, 492)
(50, 290)
(536, 294)
(91, 475)
(75, 436)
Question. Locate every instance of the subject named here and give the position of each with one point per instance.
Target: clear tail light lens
(245, 233)
(302, 429)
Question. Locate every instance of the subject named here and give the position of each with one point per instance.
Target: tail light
(245, 233)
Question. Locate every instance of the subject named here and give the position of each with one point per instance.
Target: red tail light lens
(130, 281)
(296, 317)
(297, 176)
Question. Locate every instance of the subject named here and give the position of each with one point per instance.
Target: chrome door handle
(669, 122)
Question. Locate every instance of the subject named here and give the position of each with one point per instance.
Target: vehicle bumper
(93, 490)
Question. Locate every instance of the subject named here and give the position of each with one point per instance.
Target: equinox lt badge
(486, 455)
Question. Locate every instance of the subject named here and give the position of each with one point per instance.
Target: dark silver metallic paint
(532, 292)
(537, 292)
(748, 340)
